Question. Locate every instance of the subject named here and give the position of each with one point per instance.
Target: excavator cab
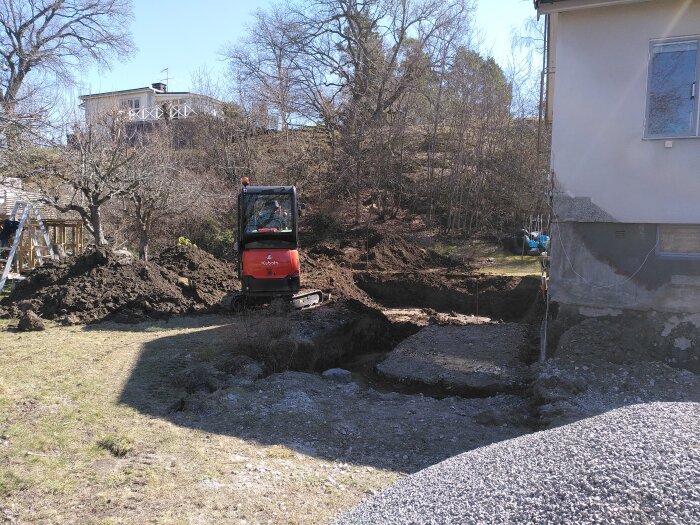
(268, 248)
(268, 240)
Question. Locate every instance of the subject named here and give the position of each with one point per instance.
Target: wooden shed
(65, 230)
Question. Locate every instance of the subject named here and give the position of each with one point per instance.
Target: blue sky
(183, 36)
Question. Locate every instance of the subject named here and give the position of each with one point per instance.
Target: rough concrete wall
(568, 207)
(614, 265)
(623, 336)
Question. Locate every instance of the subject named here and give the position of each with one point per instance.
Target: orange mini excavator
(268, 248)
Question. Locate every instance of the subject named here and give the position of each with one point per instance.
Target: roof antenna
(167, 76)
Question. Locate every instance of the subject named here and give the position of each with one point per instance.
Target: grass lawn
(491, 259)
(71, 451)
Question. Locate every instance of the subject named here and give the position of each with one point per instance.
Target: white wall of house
(97, 107)
(599, 106)
(150, 104)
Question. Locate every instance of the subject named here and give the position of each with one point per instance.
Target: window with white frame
(130, 103)
(672, 98)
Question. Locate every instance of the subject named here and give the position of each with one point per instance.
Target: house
(623, 89)
(148, 104)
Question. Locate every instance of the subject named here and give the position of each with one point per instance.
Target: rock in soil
(571, 390)
(476, 359)
(338, 374)
(30, 322)
(604, 363)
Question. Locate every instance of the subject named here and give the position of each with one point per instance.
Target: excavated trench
(428, 332)
(415, 344)
(498, 297)
(357, 337)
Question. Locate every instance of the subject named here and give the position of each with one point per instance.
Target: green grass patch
(447, 250)
(490, 258)
(117, 445)
(9, 483)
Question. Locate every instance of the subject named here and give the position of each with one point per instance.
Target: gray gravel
(637, 464)
(461, 359)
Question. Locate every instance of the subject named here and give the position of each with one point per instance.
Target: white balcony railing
(170, 111)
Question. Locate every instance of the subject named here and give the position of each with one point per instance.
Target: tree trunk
(143, 245)
(96, 223)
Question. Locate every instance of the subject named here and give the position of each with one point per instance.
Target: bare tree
(165, 188)
(91, 170)
(50, 39)
(372, 52)
(264, 60)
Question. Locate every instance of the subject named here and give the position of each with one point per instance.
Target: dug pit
(508, 298)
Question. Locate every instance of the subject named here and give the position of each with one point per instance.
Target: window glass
(671, 104)
(267, 213)
(130, 103)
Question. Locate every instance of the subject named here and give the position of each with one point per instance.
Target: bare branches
(93, 169)
(51, 39)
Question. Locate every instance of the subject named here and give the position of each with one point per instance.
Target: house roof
(119, 92)
(548, 6)
(11, 192)
(135, 90)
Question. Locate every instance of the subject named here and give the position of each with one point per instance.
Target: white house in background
(623, 91)
(148, 104)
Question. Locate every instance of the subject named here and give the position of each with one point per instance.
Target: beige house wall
(599, 102)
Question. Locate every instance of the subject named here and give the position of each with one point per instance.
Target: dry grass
(118, 446)
(72, 451)
(491, 259)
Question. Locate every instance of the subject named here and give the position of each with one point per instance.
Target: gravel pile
(638, 464)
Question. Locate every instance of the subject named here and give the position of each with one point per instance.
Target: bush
(214, 237)
(323, 224)
(184, 241)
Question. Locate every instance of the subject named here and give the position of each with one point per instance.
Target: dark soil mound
(394, 252)
(501, 297)
(328, 263)
(209, 278)
(103, 284)
(328, 274)
(360, 249)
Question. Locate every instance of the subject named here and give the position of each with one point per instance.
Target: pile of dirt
(330, 264)
(460, 291)
(326, 273)
(362, 249)
(103, 284)
(208, 278)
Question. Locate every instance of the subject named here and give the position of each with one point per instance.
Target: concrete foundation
(612, 292)
(606, 265)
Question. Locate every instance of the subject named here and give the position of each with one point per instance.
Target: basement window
(682, 240)
(672, 98)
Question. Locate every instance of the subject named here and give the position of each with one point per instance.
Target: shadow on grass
(303, 411)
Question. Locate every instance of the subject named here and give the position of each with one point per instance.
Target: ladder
(23, 211)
